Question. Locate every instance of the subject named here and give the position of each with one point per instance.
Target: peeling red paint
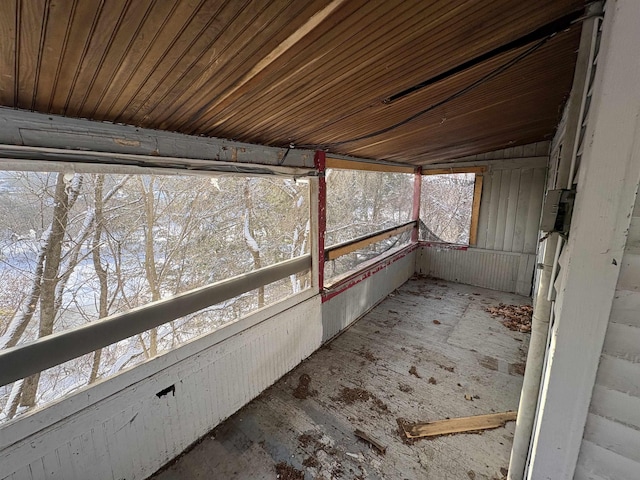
(358, 277)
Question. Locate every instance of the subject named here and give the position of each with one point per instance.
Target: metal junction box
(557, 210)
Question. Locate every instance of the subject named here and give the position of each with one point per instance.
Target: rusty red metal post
(417, 186)
(319, 161)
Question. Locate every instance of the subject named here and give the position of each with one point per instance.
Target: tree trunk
(50, 278)
(97, 265)
(149, 256)
(249, 238)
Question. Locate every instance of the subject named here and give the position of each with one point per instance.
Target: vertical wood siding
(504, 271)
(340, 311)
(611, 443)
(504, 256)
(510, 209)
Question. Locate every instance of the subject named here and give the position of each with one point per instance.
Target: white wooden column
(608, 182)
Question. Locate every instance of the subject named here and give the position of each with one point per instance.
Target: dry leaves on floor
(516, 317)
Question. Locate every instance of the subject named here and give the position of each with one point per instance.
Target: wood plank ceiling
(314, 73)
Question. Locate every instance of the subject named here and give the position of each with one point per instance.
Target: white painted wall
(510, 206)
(119, 429)
(504, 271)
(611, 443)
(586, 425)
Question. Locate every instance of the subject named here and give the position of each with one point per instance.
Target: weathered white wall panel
(510, 209)
(340, 311)
(505, 271)
(504, 255)
(612, 432)
(132, 433)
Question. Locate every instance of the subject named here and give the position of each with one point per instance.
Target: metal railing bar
(24, 360)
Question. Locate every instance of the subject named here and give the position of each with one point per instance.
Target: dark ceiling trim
(545, 31)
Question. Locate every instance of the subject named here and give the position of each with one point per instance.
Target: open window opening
(369, 213)
(79, 248)
(449, 207)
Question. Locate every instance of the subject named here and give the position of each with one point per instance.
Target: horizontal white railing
(21, 361)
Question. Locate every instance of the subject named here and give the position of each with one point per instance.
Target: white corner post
(542, 305)
(608, 181)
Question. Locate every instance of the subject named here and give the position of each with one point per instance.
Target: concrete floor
(362, 380)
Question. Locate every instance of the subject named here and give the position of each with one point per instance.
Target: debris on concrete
(448, 369)
(365, 353)
(458, 425)
(284, 471)
(351, 395)
(437, 322)
(413, 371)
(468, 397)
(311, 462)
(379, 405)
(368, 438)
(303, 390)
(516, 317)
(403, 387)
(432, 381)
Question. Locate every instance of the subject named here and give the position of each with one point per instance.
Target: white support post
(609, 177)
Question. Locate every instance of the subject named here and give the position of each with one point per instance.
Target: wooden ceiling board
(8, 51)
(350, 84)
(313, 73)
(201, 98)
(492, 102)
(345, 94)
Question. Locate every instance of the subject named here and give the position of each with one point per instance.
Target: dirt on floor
(303, 390)
(284, 471)
(352, 395)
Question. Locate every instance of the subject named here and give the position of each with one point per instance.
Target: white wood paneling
(622, 341)
(510, 209)
(614, 420)
(605, 464)
(621, 439)
(609, 174)
(505, 271)
(133, 432)
(616, 405)
(340, 311)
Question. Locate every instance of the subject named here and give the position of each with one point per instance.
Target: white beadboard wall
(120, 429)
(340, 311)
(510, 208)
(504, 256)
(505, 271)
(131, 433)
(611, 442)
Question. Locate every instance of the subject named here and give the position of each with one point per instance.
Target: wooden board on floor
(458, 425)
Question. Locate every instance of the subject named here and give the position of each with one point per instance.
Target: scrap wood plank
(458, 425)
(368, 438)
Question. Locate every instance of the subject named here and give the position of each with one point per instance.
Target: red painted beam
(320, 163)
(417, 186)
(362, 275)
